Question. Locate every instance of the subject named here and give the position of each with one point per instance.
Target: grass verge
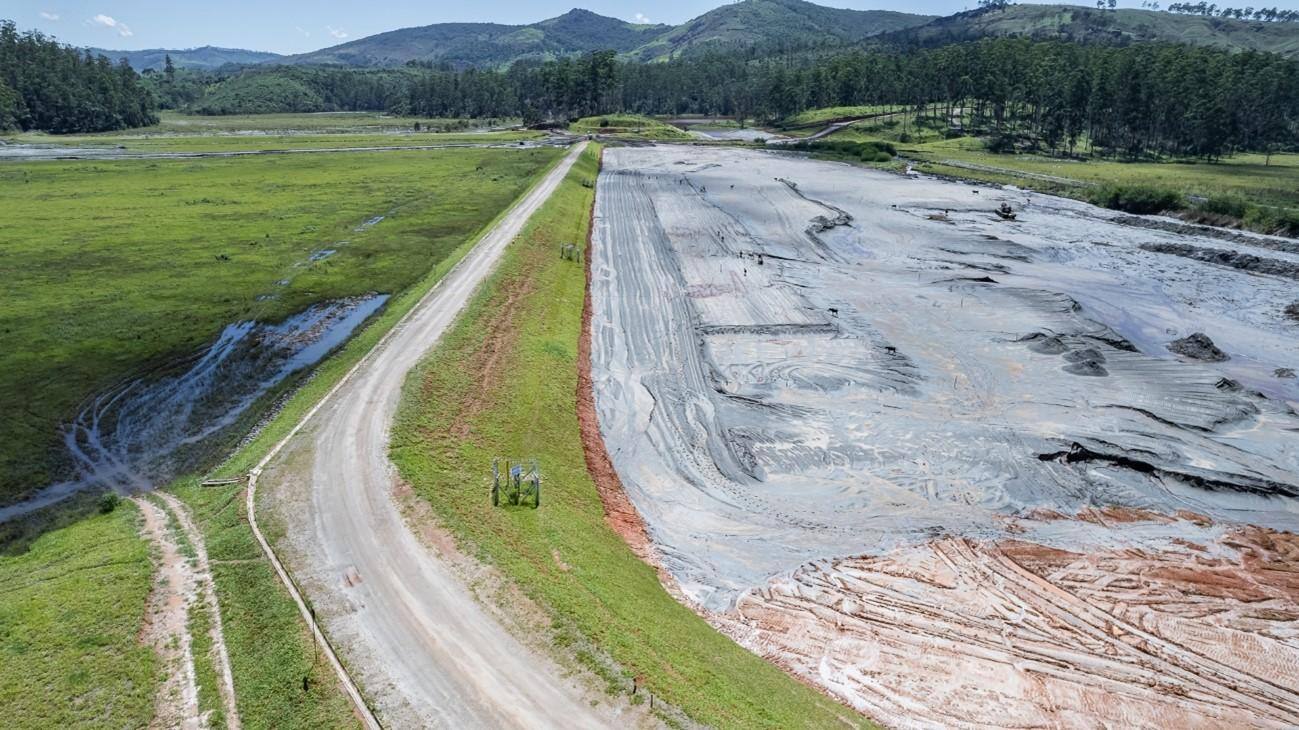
(71, 606)
(503, 381)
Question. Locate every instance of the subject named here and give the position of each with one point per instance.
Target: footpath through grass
(71, 608)
(112, 267)
(503, 382)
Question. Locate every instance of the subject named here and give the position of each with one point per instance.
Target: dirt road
(425, 652)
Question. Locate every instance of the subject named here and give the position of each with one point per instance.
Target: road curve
(410, 630)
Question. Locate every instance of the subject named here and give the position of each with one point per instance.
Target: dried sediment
(773, 400)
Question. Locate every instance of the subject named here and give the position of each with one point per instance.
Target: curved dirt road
(424, 650)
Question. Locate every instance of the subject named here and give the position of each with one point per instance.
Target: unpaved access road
(424, 651)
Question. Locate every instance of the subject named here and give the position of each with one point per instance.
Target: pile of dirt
(1198, 347)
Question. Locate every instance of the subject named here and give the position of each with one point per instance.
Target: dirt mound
(1198, 347)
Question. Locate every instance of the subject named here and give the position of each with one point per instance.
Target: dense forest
(1135, 101)
(56, 88)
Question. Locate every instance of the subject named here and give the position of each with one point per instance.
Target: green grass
(195, 143)
(825, 115)
(71, 607)
(628, 125)
(1246, 175)
(110, 267)
(209, 692)
(170, 121)
(563, 555)
(270, 649)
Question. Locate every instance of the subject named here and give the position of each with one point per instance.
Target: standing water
(145, 431)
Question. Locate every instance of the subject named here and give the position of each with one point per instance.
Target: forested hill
(791, 23)
(1109, 27)
(487, 44)
(780, 26)
(771, 23)
(56, 88)
(203, 59)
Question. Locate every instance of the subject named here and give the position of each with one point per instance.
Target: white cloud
(109, 22)
(49, 16)
(338, 33)
(305, 33)
(640, 18)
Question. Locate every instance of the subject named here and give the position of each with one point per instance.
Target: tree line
(1266, 15)
(47, 86)
(1140, 100)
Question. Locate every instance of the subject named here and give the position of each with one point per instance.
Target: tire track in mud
(221, 656)
(183, 581)
(167, 624)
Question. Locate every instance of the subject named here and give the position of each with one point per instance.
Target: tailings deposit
(955, 470)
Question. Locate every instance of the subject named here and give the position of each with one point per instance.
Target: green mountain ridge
(487, 44)
(204, 58)
(793, 23)
(1115, 27)
(768, 25)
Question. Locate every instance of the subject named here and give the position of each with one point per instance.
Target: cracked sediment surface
(945, 466)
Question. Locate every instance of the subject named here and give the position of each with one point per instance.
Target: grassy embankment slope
(503, 382)
(628, 125)
(1245, 175)
(1265, 192)
(111, 267)
(71, 607)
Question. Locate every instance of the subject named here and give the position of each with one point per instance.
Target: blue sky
(293, 26)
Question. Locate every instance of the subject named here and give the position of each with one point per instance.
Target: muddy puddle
(832, 391)
(150, 429)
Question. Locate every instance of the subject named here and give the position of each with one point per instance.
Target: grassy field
(192, 133)
(628, 125)
(464, 405)
(110, 267)
(71, 607)
(332, 122)
(1244, 175)
(825, 115)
